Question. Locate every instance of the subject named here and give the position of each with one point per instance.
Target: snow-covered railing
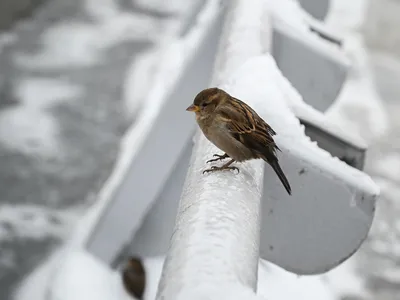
(225, 221)
(214, 251)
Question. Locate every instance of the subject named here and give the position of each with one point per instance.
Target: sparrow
(134, 277)
(235, 128)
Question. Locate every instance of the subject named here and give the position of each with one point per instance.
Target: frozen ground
(62, 117)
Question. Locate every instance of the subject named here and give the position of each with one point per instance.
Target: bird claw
(214, 168)
(219, 157)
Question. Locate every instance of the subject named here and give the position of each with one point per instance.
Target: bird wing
(248, 127)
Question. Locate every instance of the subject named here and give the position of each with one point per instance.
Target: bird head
(207, 101)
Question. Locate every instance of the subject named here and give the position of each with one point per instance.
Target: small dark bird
(235, 128)
(134, 277)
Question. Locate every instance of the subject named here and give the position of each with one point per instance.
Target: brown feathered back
(251, 130)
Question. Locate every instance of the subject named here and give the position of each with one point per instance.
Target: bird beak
(193, 107)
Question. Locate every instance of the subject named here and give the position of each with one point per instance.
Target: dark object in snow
(134, 277)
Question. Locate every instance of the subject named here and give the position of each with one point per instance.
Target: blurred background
(72, 77)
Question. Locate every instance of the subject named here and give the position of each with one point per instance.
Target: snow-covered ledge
(214, 249)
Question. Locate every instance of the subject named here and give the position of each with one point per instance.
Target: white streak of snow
(33, 222)
(29, 127)
(77, 44)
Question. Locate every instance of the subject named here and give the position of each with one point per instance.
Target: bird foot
(219, 157)
(214, 169)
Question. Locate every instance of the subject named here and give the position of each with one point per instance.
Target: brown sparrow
(235, 128)
(134, 277)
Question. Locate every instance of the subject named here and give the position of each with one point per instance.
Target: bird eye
(204, 104)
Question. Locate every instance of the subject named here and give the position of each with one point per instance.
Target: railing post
(214, 250)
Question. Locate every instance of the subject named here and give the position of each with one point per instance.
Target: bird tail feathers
(277, 168)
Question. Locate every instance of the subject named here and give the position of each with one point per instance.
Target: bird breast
(220, 136)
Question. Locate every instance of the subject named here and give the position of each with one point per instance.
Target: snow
(36, 97)
(76, 44)
(42, 93)
(168, 6)
(95, 283)
(388, 166)
(138, 80)
(275, 283)
(280, 120)
(344, 280)
(35, 286)
(162, 65)
(307, 112)
(5, 39)
(153, 268)
(291, 18)
(101, 10)
(290, 13)
(358, 95)
(34, 222)
(358, 98)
